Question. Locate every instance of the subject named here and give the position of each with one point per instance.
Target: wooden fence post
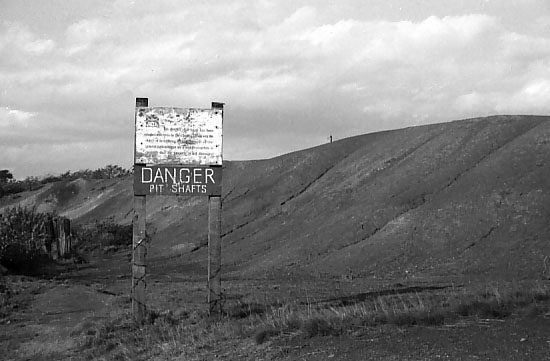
(55, 244)
(139, 249)
(61, 237)
(214, 255)
(68, 235)
(64, 236)
(215, 296)
(49, 229)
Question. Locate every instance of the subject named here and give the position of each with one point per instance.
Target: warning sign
(177, 180)
(178, 136)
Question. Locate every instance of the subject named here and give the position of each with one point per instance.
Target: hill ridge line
(297, 194)
(491, 152)
(392, 161)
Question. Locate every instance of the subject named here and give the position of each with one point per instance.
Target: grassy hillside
(466, 197)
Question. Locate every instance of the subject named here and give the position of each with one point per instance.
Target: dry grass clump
(503, 301)
(245, 309)
(415, 309)
(165, 335)
(192, 335)
(317, 326)
(263, 334)
(324, 320)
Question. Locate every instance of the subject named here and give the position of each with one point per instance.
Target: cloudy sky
(290, 72)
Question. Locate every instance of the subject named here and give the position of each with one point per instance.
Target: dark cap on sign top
(142, 102)
(217, 105)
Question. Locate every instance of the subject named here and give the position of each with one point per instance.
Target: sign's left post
(139, 244)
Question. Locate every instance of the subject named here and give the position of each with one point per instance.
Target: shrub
(22, 239)
(110, 171)
(12, 188)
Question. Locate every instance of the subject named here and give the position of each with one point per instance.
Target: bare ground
(511, 339)
(51, 318)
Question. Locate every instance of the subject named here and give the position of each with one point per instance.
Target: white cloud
(87, 31)
(532, 98)
(15, 36)
(39, 46)
(329, 33)
(469, 102)
(19, 115)
(19, 47)
(14, 117)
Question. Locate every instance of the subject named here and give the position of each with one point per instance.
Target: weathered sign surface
(177, 180)
(178, 136)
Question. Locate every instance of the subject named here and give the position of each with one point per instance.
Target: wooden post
(215, 248)
(214, 255)
(139, 264)
(65, 236)
(61, 237)
(139, 249)
(55, 245)
(50, 235)
(69, 235)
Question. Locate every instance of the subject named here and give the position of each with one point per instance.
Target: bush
(12, 188)
(23, 239)
(110, 171)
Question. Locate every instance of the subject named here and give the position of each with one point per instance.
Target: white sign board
(178, 136)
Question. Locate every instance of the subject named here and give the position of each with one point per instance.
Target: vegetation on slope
(23, 238)
(8, 185)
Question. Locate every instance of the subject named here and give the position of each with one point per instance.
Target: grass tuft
(317, 326)
(263, 334)
(484, 309)
(243, 310)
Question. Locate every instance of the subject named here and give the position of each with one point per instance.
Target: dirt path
(48, 317)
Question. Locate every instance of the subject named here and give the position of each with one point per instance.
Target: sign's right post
(214, 248)
(214, 255)
(139, 245)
